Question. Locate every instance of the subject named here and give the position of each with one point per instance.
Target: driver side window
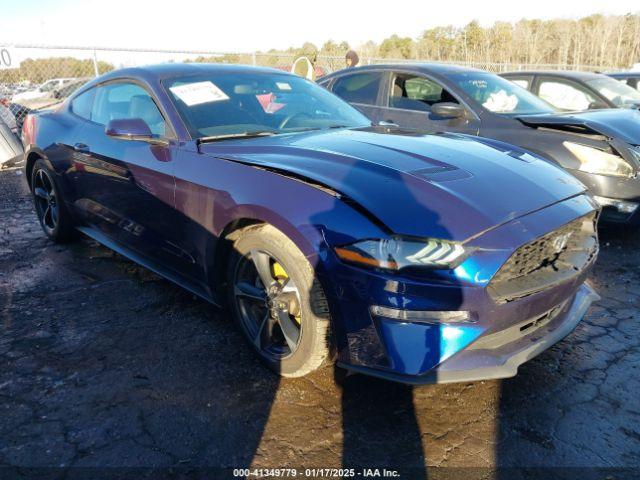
(411, 92)
(565, 96)
(118, 101)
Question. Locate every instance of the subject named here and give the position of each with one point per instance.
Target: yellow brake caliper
(281, 276)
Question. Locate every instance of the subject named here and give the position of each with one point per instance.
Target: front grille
(547, 261)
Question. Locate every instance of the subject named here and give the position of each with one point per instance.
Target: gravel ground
(107, 370)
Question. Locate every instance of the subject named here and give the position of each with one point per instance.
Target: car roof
(631, 74)
(573, 74)
(422, 67)
(170, 70)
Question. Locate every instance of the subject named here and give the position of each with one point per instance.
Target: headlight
(597, 161)
(398, 253)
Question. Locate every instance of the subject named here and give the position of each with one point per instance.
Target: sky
(247, 25)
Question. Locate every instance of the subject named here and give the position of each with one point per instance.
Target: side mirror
(132, 129)
(448, 110)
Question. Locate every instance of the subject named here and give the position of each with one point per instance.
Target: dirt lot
(107, 367)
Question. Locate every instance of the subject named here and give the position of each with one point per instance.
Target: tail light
(29, 129)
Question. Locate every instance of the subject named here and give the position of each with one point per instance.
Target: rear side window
(566, 96)
(118, 101)
(360, 87)
(83, 103)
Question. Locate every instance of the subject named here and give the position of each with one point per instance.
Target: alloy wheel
(46, 201)
(268, 302)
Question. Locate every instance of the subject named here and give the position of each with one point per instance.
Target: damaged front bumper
(499, 355)
(464, 324)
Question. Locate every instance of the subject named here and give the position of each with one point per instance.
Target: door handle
(81, 147)
(388, 123)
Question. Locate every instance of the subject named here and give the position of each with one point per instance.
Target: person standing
(351, 59)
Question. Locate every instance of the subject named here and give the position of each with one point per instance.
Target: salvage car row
(568, 90)
(442, 233)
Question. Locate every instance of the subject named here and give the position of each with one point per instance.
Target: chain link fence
(35, 76)
(27, 68)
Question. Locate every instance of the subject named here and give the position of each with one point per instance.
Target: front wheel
(55, 219)
(277, 302)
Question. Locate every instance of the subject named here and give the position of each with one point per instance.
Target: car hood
(443, 186)
(622, 124)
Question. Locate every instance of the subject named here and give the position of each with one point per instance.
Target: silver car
(10, 145)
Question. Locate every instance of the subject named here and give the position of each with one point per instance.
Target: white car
(8, 117)
(10, 146)
(34, 98)
(11, 152)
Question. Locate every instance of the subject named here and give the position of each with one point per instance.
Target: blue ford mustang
(421, 258)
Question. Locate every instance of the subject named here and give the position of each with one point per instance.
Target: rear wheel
(52, 213)
(277, 302)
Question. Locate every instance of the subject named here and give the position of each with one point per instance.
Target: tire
(53, 215)
(313, 347)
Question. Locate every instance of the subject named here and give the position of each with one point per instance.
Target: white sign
(283, 86)
(199, 92)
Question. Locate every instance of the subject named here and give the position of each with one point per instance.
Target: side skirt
(103, 239)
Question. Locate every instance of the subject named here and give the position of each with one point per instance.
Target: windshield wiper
(227, 136)
(313, 129)
(300, 129)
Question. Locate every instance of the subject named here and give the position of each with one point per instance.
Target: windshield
(48, 86)
(618, 93)
(499, 95)
(223, 104)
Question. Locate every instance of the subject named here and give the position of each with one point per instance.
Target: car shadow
(379, 425)
(566, 414)
(375, 415)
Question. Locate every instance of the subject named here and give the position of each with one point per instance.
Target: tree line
(602, 41)
(42, 69)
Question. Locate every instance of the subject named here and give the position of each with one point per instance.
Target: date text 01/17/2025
(315, 473)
